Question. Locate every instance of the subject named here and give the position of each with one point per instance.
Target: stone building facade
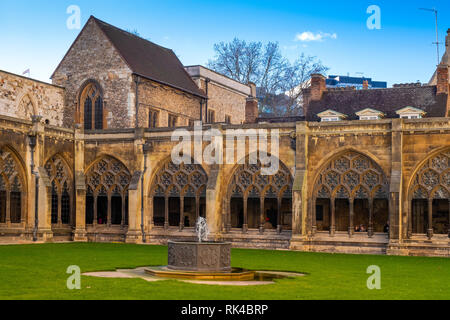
(355, 186)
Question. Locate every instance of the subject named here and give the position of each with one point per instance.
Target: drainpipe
(145, 148)
(33, 141)
(137, 82)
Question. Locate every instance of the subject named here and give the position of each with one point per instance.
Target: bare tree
(280, 83)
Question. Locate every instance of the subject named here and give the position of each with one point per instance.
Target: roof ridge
(129, 33)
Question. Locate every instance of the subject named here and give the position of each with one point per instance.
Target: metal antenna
(437, 43)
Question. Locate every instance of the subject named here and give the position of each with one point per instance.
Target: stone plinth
(203, 257)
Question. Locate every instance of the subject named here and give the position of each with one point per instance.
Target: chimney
(251, 110)
(251, 106)
(318, 86)
(366, 84)
(442, 79)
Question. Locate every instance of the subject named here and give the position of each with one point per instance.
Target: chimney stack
(251, 106)
(366, 84)
(318, 86)
(442, 79)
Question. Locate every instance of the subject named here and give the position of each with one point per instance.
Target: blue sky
(34, 33)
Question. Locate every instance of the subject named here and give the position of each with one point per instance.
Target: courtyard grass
(39, 272)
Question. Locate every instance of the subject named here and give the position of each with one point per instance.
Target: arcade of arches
(429, 211)
(257, 201)
(351, 195)
(347, 202)
(179, 195)
(12, 191)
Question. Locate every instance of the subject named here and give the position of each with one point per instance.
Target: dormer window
(331, 116)
(411, 113)
(370, 114)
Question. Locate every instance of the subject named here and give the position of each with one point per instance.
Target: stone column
(109, 216)
(333, 217)
(44, 207)
(397, 229)
(430, 219)
(80, 234)
(279, 222)
(134, 234)
(410, 218)
(314, 216)
(351, 227)
(181, 213)
(449, 218)
(166, 213)
(370, 229)
(245, 225)
(261, 216)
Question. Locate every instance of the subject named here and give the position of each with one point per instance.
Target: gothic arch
(90, 106)
(178, 194)
(12, 187)
(349, 179)
(429, 195)
(26, 106)
(61, 179)
(250, 194)
(107, 183)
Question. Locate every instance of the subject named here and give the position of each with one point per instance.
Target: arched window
(351, 195)
(107, 193)
(59, 174)
(179, 195)
(11, 189)
(91, 103)
(257, 201)
(429, 210)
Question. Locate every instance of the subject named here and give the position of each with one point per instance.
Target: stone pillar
(166, 213)
(370, 229)
(44, 206)
(262, 217)
(181, 213)
(314, 216)
(333, 217)
(449, 218)
(134, 234)
(351, 227)
(245, 225)
(279, 226)
(430, 219)
(397, 218)
(80, 234)
(213, 201)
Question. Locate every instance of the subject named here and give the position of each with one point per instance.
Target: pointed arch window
(92, 103)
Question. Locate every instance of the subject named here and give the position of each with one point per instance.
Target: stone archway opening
(179, 195)
(350, 196)
(257, 201)
(429, 207)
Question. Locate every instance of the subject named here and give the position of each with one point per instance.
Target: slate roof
(388, 101)
(149, 60)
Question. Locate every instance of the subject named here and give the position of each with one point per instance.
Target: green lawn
(39, 272)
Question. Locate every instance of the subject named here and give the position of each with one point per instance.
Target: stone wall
(93, 57)
(22, 97)
(399, 147)
(166, 100)
(225, 102)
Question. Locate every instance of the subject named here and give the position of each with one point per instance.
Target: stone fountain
(201, 256)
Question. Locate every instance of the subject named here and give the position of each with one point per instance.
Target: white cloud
(309, 36)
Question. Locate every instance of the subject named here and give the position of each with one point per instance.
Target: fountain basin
(200, 256)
